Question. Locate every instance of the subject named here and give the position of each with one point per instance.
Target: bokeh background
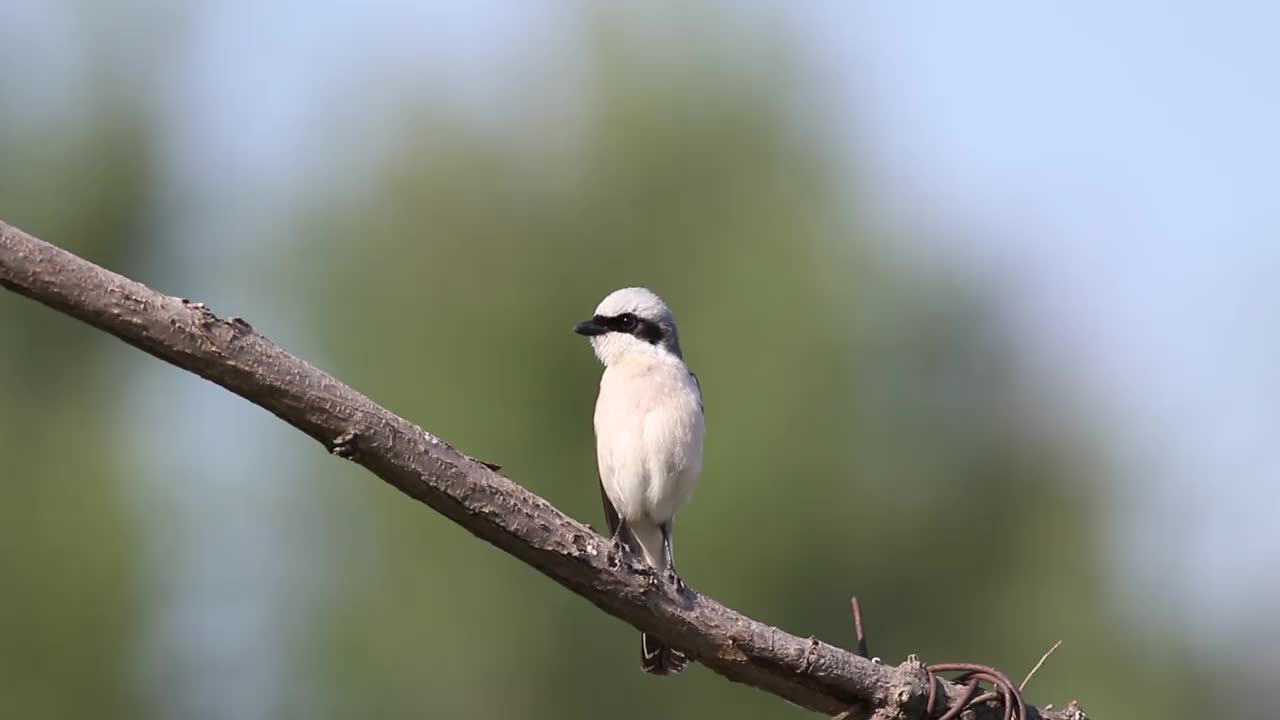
(981, 295)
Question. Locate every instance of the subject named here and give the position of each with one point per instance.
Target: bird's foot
(651, 579)
(619, 553)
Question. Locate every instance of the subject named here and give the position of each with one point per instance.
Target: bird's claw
(619, 550)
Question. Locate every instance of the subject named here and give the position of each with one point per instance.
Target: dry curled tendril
(972, 675)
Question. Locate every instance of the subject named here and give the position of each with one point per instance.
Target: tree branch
(228, 352)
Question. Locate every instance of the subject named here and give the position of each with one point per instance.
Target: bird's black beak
(590, 328)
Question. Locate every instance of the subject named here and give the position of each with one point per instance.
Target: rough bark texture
(228, 352)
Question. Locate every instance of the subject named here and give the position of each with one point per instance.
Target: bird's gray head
(631, 320)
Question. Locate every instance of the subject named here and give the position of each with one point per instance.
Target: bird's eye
(627, 322)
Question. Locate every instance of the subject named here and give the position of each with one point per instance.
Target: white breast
(649, 429)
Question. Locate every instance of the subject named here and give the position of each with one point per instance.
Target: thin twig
(859, 629)
(1044, 657)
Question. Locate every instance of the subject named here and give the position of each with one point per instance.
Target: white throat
(613, 348)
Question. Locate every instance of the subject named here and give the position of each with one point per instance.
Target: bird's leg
(619, 538)
(672, 576)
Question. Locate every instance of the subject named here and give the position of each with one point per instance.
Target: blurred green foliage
(69, 544)
(867, 432)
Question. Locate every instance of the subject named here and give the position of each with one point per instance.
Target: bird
(649, 429)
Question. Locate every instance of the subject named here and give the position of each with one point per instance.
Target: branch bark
(228, 352)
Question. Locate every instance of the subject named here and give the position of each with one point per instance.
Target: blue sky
(1122, 158)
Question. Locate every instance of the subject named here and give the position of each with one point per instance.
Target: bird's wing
(701, 404)
(610, 513)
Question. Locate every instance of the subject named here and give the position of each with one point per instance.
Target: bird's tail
(659, 658)
(656, 657)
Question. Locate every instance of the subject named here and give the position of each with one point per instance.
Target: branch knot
(344, 446)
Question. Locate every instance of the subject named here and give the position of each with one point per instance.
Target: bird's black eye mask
(625, 323)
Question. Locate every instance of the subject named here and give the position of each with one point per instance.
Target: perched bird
(649, 429)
